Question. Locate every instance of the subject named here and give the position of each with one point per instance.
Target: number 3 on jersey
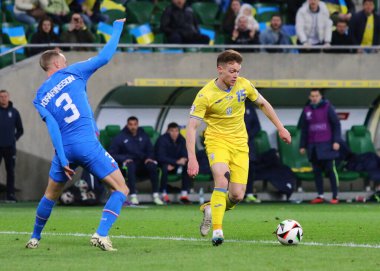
(68, 106)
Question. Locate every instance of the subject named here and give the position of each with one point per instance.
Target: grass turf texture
(324, 224)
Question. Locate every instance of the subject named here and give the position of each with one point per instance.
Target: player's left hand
(69, 172)
(285, 135)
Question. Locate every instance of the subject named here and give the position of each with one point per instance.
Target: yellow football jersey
(224, 111)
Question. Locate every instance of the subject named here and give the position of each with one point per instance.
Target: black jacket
(126, 146)
(168, 152)
(179, 20)
(10, 126)
(357, 26)
(42, 37)
(342, 40)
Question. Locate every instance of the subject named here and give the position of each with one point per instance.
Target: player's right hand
(69, 172)
(121, 20)
(192, 167)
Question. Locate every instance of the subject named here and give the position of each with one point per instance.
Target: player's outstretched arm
(191, 131)
(87, 68)
(268, 110)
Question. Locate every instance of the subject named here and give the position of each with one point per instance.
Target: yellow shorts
(236, 160)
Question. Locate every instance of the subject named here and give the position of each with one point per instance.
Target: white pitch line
(187, 239)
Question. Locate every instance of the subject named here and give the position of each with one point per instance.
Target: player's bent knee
(236, 197)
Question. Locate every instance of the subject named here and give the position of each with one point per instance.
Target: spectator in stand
(180, 26)
(340, 37)
(274, 35)
(320, 136)
(58, 10)
(29, 11)
(231, 14)
(133, 150)
(243, 35)
(337, 12)
(77, 32)
(313, 24)
(44, 34)
(247, 10)
(171, 155)
(10, 131)
(253, 126)
(365, 27)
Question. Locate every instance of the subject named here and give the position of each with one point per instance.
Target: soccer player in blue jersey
(63, 104)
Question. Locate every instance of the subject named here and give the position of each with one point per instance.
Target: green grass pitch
(343, 237)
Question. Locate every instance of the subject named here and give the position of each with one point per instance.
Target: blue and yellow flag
(108, 5)
(143, 34)
(209, 33)
(16, 34)
(336, 6)
(105, 30)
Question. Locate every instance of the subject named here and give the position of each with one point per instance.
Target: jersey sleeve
(199, 107)
(87, 68)
(54, 132)
(252, 92)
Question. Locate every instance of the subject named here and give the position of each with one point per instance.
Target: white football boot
(102, 242)
(206, 222)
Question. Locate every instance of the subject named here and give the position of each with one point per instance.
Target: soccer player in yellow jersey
(221, 105)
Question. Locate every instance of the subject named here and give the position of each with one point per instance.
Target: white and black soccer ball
(289, 232)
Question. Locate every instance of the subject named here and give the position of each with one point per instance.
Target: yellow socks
(218, 207)
(230, 204)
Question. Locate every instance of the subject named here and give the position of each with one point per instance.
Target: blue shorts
(90, 155)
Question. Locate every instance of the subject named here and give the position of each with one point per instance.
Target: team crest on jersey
(9, 114)
(229, 111)
(192, 109)
(212, 156)
(308, 115)
(200, 95)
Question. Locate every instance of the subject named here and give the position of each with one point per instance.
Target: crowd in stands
(274, 22)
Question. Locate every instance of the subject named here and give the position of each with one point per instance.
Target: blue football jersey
(64, 96)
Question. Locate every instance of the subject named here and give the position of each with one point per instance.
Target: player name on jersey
(56, 89)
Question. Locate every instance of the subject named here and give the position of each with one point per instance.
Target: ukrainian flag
(105, 30)
(336, 6)
(108, 5)
(16, 34)
(209, 33)
(143, 34)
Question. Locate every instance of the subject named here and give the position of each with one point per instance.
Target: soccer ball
(289, 232)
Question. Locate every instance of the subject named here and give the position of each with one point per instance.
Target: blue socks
(110, 212)
(42, 215)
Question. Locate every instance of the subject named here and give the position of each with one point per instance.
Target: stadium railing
(181, 48)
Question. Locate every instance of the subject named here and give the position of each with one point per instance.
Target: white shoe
(158, 201)
(134, 200)
(206, 222)
(102, 242)
(217, 237)
(32, 243)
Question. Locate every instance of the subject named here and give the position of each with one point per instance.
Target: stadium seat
(290, 155)
(359, 140)
(139, 12)
(108, 134)
(264, 12)
(206, 13)
(261, 142)
(114, 14)
(153, 134)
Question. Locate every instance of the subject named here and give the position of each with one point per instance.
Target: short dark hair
(368, 1)
(342, 21)
(173, 125)
(276, 15)
(3, 91)
(317, 89)
(229, 56)
(132, 118)
(46, 57)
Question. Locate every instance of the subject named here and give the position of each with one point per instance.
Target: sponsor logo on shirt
(9, 114)
(192, 109)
